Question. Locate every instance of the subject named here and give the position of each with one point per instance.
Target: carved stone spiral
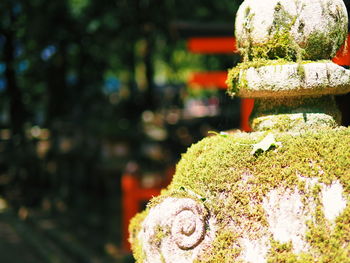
(188, 227)
(175, 229)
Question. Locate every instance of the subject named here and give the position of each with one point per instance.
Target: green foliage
(58, 56)
(77, 6)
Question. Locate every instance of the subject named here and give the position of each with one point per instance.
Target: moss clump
(159, 234)
(134, 228)
(225, 239)
(293, 122)
(282, 44)
(295, 114)
(283, 253)
(222, 169)
(217, 163)
(221, 172)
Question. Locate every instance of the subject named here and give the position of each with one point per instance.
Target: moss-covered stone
(295, 114)
(280, 78)
(275, 196)
(294, 30)
(236, 79)
(134, 229)
(233, 183)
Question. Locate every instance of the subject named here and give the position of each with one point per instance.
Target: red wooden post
(133, 195)
(246, 109)
(129, 206)
(218, 80)
(213, 79)
(212, 45)
(343, 56)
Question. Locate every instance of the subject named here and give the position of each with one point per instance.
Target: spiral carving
(176, 229)
(188, 227)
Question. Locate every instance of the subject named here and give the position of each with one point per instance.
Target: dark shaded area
(86, 89)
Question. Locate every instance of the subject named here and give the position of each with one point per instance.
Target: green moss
(159, 234)
(301, 71)
(283, 253)
(288, 114)
(134, 229)
(217, 163)
(225, 248)
(281, 44)
(321, 45)
(222, 172)
(223, 164)
(236, 76)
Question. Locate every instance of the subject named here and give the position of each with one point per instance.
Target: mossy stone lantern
(282, 192)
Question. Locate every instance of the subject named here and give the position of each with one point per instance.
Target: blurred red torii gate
(217, 79)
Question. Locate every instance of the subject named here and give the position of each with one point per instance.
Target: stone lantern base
(242, 198)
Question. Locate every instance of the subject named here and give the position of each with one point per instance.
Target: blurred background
(95, 101)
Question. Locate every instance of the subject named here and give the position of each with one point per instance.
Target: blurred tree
(77, 80)
(85, 71)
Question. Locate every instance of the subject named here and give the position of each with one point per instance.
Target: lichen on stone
(282, 78)
(295, 30)
(235, 183)
(295, 114)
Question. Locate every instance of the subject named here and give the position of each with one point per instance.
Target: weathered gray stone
(178, 230)
(291, 80)
(319, 26)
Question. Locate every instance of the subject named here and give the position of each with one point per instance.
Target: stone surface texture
(174, 228)
(258, 21)
(292, 80)
(290, 196)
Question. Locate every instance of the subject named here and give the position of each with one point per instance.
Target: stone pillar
(282, 192)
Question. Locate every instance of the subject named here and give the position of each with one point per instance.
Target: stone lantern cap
(287, 47)
(319, 27)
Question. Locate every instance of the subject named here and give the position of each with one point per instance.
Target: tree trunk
(150, 102)
(17, 108)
